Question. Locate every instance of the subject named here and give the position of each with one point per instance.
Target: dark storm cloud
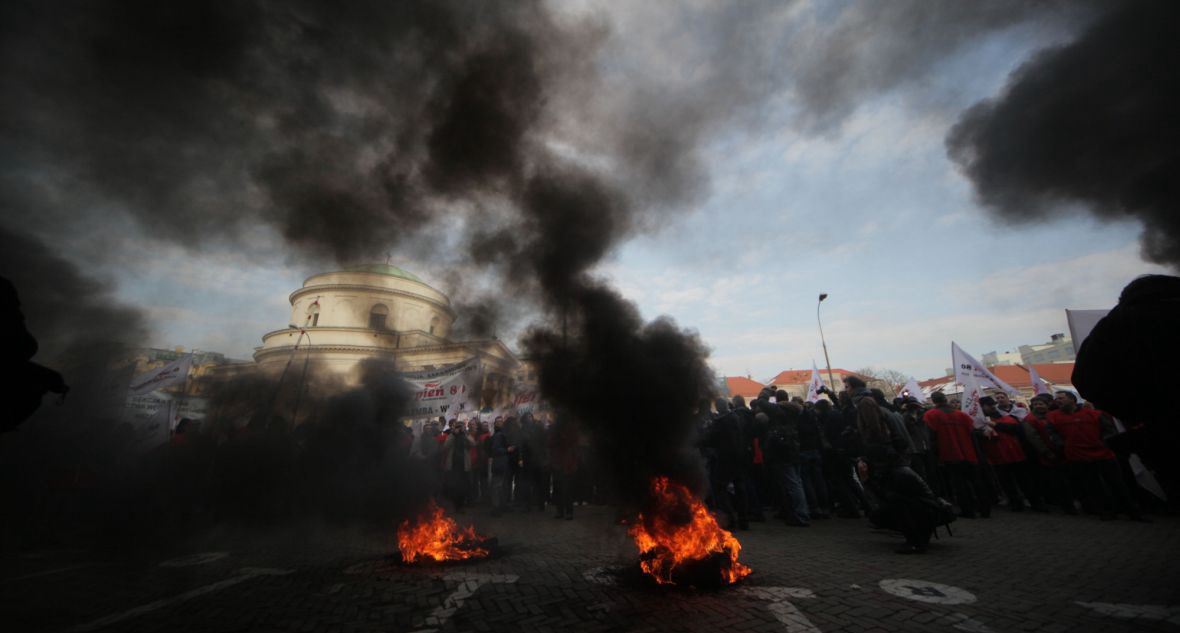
(1089, 124)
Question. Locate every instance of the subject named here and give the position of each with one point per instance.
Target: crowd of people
(521, 463)
(903, 464)
(906, 465)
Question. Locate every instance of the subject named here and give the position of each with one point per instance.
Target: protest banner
(447, 390)
(161, 377)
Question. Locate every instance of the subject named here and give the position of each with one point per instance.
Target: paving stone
(1027, 573)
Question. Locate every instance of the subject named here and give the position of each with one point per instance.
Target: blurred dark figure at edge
(27, 381)
(1140, 338)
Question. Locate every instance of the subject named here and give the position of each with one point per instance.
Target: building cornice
(306, 290)
(472, 347)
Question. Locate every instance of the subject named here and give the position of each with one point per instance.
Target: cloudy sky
(823, 167)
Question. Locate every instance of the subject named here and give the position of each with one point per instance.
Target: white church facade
(340, 318)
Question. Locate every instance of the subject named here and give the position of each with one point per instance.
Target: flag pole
(827, 361)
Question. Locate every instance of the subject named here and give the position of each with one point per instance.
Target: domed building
(340, 318)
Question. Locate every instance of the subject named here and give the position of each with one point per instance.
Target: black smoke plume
(350, 130)
(1089, 124)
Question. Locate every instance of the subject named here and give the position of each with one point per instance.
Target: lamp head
(822, 296)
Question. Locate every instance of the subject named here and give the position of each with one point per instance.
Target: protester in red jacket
(956, 455)
(1050, 484)
(1004, 452)
(1092, 465)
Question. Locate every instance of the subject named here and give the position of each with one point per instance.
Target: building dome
(384, 269)
(341, 318)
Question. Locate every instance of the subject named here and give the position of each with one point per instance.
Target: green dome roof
(383, 269)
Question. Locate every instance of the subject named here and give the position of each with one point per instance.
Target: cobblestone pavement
(1024, 572)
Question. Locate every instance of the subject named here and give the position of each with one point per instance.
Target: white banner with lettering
(446, 391)
(967, 367)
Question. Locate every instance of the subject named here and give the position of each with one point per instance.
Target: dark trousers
(912, 519)
(968, 487)
(923, 463)
(1006, 473)
(479, 483)
(456, 487)
(734, 507)
(1032, 482)
(539, 480)
(753, 499)
(790, 498)
(1102, 488)
(563, 492)
(842, 482)
(814, 484)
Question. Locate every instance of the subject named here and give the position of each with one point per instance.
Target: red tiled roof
(742, 386)
(941, 380)
(1017, 375)
(803, 376)
(1056, 373)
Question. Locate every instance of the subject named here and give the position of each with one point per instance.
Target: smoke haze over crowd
(535, 140)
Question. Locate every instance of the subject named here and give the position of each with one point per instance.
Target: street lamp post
(302, 376)
(283, 376)
(822, 296)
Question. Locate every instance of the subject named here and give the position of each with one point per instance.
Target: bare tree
(887, 380)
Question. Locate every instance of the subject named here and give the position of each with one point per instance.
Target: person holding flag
(816, 385)
(1004, 452)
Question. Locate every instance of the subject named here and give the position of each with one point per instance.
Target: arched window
(434, 325)
(377, 317)
(313, 314)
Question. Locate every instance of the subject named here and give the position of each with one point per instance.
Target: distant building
(1059, 349)
(1002, 358)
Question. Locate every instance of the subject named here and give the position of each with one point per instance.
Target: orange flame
(437, 537)
(681, 530)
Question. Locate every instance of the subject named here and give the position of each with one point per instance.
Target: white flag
(966, 366)
(155, 430)
(972, 392)
(815, 384)
(166, 376)
(1145, 478)
(1040, 386)
(912, 390)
